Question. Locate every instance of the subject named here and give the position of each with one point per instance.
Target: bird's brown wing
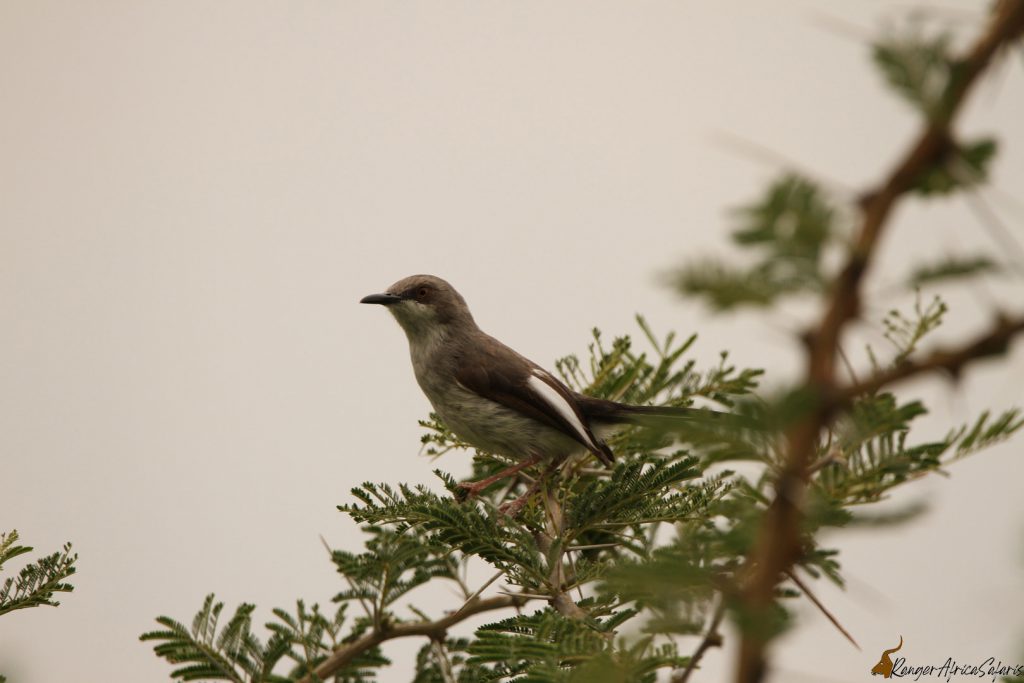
(498, 373)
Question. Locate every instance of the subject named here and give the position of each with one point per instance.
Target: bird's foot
(472, 489)
(475, 488)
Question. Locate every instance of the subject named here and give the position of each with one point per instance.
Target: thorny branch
(777, 546)
(992, 343)
(548, 541)
(821, 607)
(551, 543)
(435, 630)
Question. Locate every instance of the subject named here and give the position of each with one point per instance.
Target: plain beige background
(194, 196)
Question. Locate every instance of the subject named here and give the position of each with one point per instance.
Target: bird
(492, 397)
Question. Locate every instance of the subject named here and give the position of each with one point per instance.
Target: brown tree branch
(554, 523)
(777, 546)
(435, 630)
(995, 342)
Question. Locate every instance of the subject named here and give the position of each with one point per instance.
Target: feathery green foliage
(545, 646)
(204, 652)
(952, 267)
(917, 65)
(905, 332)
(966, 164)
(207, 651)
(787, 231)
(651, 545)
(468, 527)
(37, 581)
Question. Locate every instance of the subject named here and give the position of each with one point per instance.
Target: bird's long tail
(691, 423)
(628, 413)
(611, 412)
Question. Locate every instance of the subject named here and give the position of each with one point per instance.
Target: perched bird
(492, 397)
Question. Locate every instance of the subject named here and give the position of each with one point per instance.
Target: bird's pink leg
(513, 507)
(474, 488)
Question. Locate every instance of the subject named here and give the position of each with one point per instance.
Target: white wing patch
(561, 406)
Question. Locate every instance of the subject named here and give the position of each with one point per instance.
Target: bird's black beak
(383, 299)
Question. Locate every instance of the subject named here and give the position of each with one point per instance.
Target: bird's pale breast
(492, 427)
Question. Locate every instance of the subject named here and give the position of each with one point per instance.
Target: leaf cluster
(207, 650)
(37, 581)
(787, 231)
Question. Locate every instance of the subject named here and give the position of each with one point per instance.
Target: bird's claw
(470, 489)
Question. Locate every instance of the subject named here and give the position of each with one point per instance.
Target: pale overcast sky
(194, 196)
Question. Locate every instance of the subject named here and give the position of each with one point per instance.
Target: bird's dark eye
(421, 292)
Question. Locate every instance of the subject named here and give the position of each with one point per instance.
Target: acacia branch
(777, 546)
(551, 542)
(992, 343)
(436, 630)
(931, 148)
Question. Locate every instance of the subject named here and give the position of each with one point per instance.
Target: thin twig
(572, 565)
(712, 638)
(990, 221)
(458, 579)
(508, 489)
(532, 596)
(480, 590)
(833, 457)
(593, 546)
(443, 663)
(847, 363)
(436, 629)
(996, 228)
(841, 27)
(551, 542)
(366, 608)
(596, 472)
(761, 153)
(992, 343)
(817, 603)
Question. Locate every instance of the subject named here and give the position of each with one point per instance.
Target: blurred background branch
(778, 545)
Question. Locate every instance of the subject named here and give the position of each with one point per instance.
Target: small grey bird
(490, 396)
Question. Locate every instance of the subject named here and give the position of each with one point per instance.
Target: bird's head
(423, 305)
